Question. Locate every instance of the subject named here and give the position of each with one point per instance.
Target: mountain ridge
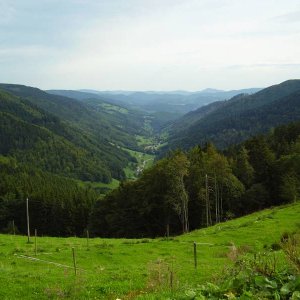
(198, 127)
(81, 149)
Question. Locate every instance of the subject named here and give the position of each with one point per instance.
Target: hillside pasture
(160, 268)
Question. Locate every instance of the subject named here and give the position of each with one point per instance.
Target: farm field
(134, 268)
(144, 161)
(99, 185)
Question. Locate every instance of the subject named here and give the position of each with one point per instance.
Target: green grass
(144, 160)
(114, 108)
(135, 268)
(144, 141)
(152, 142)
(4, 159)
(100, 185)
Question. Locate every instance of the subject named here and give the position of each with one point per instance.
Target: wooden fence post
(35, 241)
(74, 261)
(195, 255)
(14, 229)
(27, 215)
(87, 239)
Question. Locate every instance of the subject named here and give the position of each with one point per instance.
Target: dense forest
(53, 146)
(201, 187)
(49, 142)
(230, 122)
(57, 205)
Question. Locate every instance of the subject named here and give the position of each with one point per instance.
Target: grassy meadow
(144, 161)
(135, 268)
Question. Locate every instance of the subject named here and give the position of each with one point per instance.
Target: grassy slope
(100, 185)
(126, 269)
(141, 157)
(130, 171)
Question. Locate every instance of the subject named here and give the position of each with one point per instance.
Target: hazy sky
(149, 44)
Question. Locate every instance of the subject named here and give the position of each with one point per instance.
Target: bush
(257, 277)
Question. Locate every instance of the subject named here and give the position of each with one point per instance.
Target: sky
(149, 44)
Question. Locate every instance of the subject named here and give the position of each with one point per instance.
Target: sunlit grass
(133, 268)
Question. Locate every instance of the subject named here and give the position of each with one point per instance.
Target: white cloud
(6, 12)
(139, 44)
(288, 17)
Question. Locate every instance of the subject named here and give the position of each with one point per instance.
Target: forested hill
(113, 111)
(176, 102)
(201, 187)
(100, 125)
(161, 107)
(230, 122)
(41, 154)
(69, 141)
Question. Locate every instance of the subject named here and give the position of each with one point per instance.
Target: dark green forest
(52, 147)
(203, 186)
(58, 206)
(34, 136)
(230, 122)
(41, 153)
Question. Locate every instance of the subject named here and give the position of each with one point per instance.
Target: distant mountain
(115, 112)
(162, 107)
(84, 95)
(62, 135)
(115, 92)
(78, 113)
(177, 102)
(192, 117)
(79, 95)
(210, 90)
(229, 122)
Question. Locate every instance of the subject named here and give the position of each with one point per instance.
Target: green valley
(149, 150)
(91, 164)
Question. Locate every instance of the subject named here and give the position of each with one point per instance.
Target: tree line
(203, 186)
(57, 205)
(181, 192)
